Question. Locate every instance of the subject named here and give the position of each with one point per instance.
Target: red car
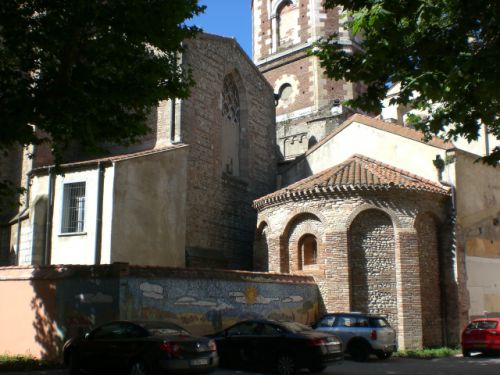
(481, 335)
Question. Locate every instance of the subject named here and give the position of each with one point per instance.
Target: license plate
(199, 362)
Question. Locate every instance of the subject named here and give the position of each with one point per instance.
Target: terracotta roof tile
(356, 173)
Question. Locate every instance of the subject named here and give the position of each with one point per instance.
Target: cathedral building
(264, 168)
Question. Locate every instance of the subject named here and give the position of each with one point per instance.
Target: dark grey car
(361, 334)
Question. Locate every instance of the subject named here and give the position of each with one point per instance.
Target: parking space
(477, 365)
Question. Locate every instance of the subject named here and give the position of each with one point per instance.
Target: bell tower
(309, 105)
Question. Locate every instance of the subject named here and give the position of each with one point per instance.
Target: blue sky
(231, 18)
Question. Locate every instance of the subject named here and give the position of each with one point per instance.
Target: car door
(264, 343)
(234, 346)
(343, 328)
(96, 351)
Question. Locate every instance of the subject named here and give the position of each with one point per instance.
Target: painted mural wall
(42, 307)
(205, 306)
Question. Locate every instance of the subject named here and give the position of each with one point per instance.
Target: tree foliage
(88, 71)
(447, 51)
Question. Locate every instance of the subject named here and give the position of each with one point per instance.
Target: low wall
(41, 307)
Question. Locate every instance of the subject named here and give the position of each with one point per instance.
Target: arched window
(230, 127)
(308, 250)
(287, 16)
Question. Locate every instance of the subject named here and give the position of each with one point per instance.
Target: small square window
(73, 213)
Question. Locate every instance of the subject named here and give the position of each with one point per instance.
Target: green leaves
(88, 71)
(446, 50)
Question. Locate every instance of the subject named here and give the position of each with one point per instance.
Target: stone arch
(426, 226)
(234, 113)
(276, 4)
(301, 224)
(372, 263)
(367, 206)
(261, 248)
(284, 16)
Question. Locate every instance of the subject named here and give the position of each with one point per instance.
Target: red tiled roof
(110, 159)
(385, 126)
(356, 173)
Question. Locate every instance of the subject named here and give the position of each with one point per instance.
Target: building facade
(309, 106)
(182, 196)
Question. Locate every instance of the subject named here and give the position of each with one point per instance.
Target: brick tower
(309, 105)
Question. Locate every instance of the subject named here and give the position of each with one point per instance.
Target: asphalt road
(394, 366)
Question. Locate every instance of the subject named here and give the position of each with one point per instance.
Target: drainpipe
(98, 224)
(172, 120)
(47, 253)
(486, 141)
(444, 308)
(26, 205)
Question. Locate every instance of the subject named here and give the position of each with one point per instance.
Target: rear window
(483, 324)
(164, 329)
(379, 322)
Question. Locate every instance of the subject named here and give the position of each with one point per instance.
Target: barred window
(73, 213)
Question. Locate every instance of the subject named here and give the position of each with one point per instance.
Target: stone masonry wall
(426, 227)
(391, 216)
(372, 264)
(220, 218)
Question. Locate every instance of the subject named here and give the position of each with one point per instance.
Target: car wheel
(466, 352)
(316, 369)
(286, 365)
(139, 368)
(360, 351)
(73, 363)
(384, 355)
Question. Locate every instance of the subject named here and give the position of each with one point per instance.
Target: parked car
(481, 335)
(361, 334)
(140, 348)
(282, 346)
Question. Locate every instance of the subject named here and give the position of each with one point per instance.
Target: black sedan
(140, 348)
(282, 346)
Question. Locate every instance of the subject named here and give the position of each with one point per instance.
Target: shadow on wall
(45, 323)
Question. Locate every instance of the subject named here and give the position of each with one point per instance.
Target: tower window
(287, 16)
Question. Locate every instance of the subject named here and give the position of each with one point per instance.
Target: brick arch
(298, 226)
(261, 248)
(426, 225)
(372, 263)
(301, 212)
(367, 206)
(263, 222)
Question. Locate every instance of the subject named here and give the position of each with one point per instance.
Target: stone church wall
(374, 239)
(220, 217)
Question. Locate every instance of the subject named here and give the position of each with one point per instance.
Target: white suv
(361, 334)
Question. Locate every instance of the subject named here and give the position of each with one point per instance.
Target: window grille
(73, 208)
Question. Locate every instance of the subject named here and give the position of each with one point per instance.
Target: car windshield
(483, 324)
(164, 329)
(295, 327)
